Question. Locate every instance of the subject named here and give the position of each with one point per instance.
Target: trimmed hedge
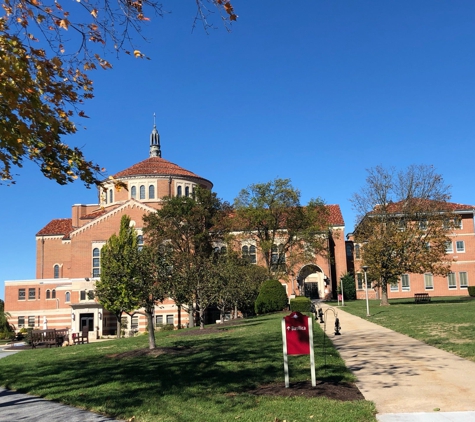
(272, 297)
(471, 291)
(349, 287)
(301, 304)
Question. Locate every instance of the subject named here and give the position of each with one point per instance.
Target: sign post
(297, 337)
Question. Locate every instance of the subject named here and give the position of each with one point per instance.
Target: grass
(209, 384)
(446, 322)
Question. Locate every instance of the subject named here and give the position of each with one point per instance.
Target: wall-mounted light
(87, 279)
(73, 317)
(100, 315)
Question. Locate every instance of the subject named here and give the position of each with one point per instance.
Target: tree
(272, 297)
(404, 219)
(5, 328)
(189, 227)
(286, 233)
(119, 259)
(349, 287)
(46, 51)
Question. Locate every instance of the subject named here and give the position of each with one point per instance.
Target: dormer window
(133, 192)
(142, 192)
(151, 192)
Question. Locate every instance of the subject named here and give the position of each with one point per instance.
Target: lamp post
(365, 268)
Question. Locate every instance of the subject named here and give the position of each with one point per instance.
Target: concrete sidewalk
(405, 378)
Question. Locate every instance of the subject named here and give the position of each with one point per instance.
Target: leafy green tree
(189, 227)
(272, 297)
(404, 222)
(47, 51)
(286, 233)
(119, 259)
(5, 328)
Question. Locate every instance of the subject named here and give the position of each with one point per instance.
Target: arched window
(252, 254)
(56, 271)
(111, 196)
(96, 262)
(151, 192)
(48, 294)
(178, 191)
(357, 252)
(245, 252)
(140, 242)
(67, 297)
(277, 257)
(187, 191)
(142, 192)
(53, 294)
(133, 192)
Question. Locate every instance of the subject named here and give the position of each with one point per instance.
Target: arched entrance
(312, 282)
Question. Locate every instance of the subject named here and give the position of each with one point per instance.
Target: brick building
(68, 253)
(461, 249)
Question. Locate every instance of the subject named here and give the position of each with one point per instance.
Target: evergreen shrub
(272, 297)
(300, 304)
(349, 287)
(471, 291)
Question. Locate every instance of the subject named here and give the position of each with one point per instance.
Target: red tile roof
(398, 207)
(156, 166)
(96, 214)
(335, 216)
(57, 226)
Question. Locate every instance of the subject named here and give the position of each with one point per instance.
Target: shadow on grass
(210, 367)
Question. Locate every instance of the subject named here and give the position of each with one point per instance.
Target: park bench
(82, 337)
(50, 337)
(421, 298)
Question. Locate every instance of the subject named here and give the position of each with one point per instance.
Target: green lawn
(210, 383)
(446, 322)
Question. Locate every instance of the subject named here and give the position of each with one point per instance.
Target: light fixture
(100, 315)
(73, 317)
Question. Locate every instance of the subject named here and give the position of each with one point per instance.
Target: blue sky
(315, 91)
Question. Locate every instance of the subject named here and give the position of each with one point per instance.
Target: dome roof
(157, 166)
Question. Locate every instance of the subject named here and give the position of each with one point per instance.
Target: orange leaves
(64, 23)
(94, 13)
(228, 7)
(138, 54)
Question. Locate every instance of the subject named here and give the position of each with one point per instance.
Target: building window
(133, 192)
(48, 294)
(357, 252)
(135, 323)
(460, 245)
(428, 281)
(124, 323)
(142, 192)
(140, 242)
(151, 192)
(82, 295)
(53, 294)
(449, 247)
(111, 196)
(394, 287)
(158, 319)
(21, 321)
(56, 271)
(31, 321)
(405, 283)
(349, 250)
(96, 262)
(463, 279)
(452, 282)
(360, 279)
(187, 191)
(458, 223)
(178, 191)
(249, 253)
(21, 294)
(423, 225)
(31, 294)
(169, 319)
(67, 297)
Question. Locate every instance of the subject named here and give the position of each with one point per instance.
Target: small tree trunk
(119, 319)
(151, 330)
(235, 311)
(384, 293)
(202, 318)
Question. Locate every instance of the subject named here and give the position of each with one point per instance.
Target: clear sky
(315, 91)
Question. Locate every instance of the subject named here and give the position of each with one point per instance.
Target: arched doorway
(312, 282)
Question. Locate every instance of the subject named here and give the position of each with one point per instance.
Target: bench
(421, 298)
(50, 337)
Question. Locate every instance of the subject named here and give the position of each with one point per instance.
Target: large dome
(157, 166)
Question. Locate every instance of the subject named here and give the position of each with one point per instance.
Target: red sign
(297, 335)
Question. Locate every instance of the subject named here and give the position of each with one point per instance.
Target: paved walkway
(402, 375)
